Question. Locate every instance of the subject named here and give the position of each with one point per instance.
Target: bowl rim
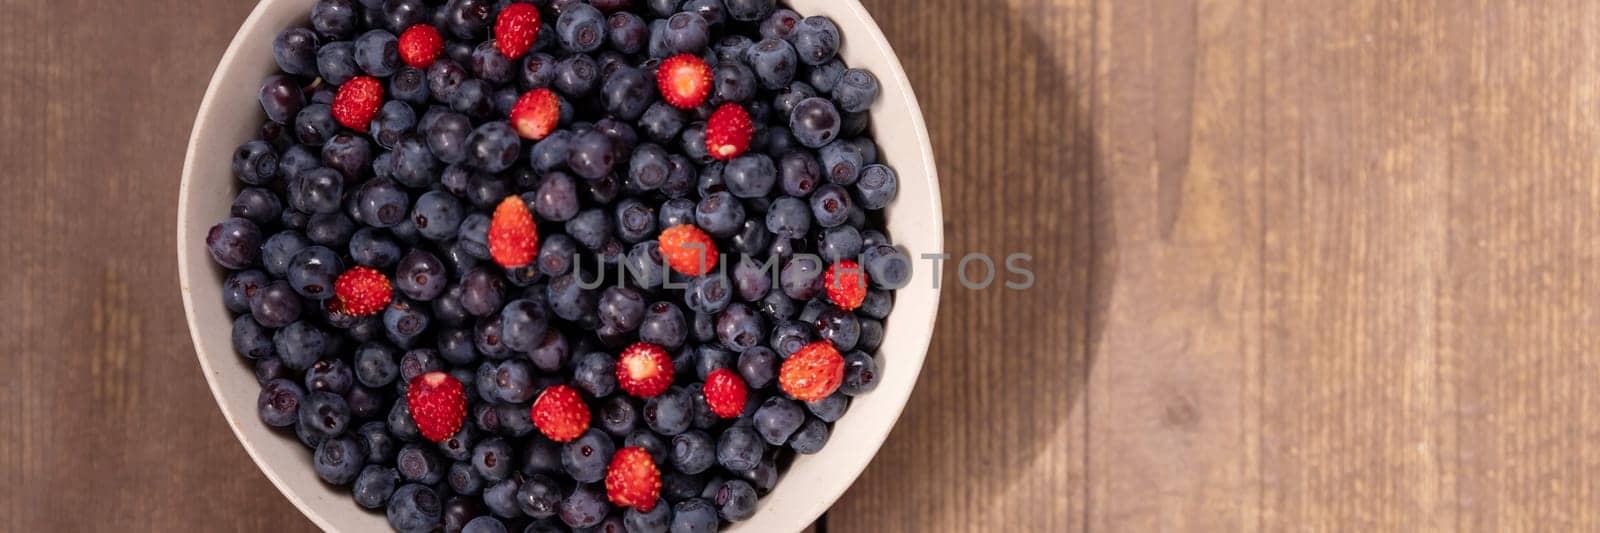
(918, 128)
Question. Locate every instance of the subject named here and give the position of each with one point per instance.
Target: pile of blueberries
(411, 198)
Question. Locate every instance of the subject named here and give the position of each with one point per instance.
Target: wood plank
(991, 440)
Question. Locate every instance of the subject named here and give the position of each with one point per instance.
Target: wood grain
(1300, 266)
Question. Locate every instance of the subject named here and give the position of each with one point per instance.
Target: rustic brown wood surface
(1302, 265)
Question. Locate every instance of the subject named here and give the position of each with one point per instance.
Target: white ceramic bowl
(230, 115)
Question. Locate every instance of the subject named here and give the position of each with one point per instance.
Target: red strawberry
(536, 114)
(728, 132)
(437, 404)
(357, 102)
(362, 291)
(560, 413)
(813, 372)
(632, 480)
(513, 238)
(420, 45)
(684, 80)
(846, 284)
(725, 393)
(516, 29)
(688, 249)
(644, 370)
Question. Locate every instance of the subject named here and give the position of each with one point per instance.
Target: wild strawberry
(362, 291)
(684, 81)
(357, 102)
(725, 393)
(516, 29)
(420, 45)
(728, 132)
(536, 114)
(846, 284)
(513, 237)
(813, 372)
(560, 413)
(633, 480)
(688, 250)
(437, 404)
(644, 370)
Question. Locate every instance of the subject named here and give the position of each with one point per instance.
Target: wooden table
(1301, 265)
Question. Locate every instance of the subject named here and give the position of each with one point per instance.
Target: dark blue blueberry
(750, 176)
(740, 328)
(694, 515)
(790, 96)
(617, 415)
(710, 293)
(758, 366)
(719, 214)
(473, 98)
(681, 180)
(551, 154)
(593, 155)
(736, 500)
(872, 237)
(493, 459)
(482, 291)
(677, 211)
(313, 270)
(686, 33)
(830, 205)
(314, 125)
(871, 335)
(621, 308)
(394, 119)
(493, 147)
(295, 50)
(337, 62)
(734, 82)
(256, 205)
(484, 524)
(331, 375)
(710, 358)
(488, 64)
(713, 11)
(888, 267)
(669, 413)
(539, 496)
(854, 124)
(414, 508)
(595, 373)
(374, 486)
(376, 365)
(656, 521)
(240, 288)
(397, 15)
(780, 24)
(551, 354)
(325, 413)
(877, 187)
(856, 90)
(365, 402)
(644, 267)
(649, 167)
(524, 323)
(591, 228)
(381, 203)
(661, 122)
(418, 362)
(627, 32)
(400, 424)
(279, 402)
(586, 458)
(829, 409)
(677, 486)
(234, 243)
(693, 143)
(752, 238)
(371, 247)
(740, 448)
(570, 301)
(338, 460)
(788, 336)
(409, 85)
(486, 190)
(504, 99)
(437, 216)
(816, 40)
(577, 76)
(420, 275)
(296, 159)
(789, 217)
(657, 48)
(445, 78)
(628, 92)
(731, 48)
(538, 70)
(814, 122)
(467, 19)
(839, 243)
(774, 62)
(282, 98)
(403, 322)
(664, 325)
(349, 154)
(777, 419)
(581, 28)
(752, 278)
(869, 150)
(659, 450)
(317, 191)
(458, 511)
(750, 10)
(463, 479)
(860, 374)
(473, 235)
(256, 163)
(377, 53)
(703, 327)
(336, 19)
(842, 162)
(418, 462)
(814, 309)
(585, 507)
(276, 305)
(516, 419)
(663, 8)
(693, 452)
